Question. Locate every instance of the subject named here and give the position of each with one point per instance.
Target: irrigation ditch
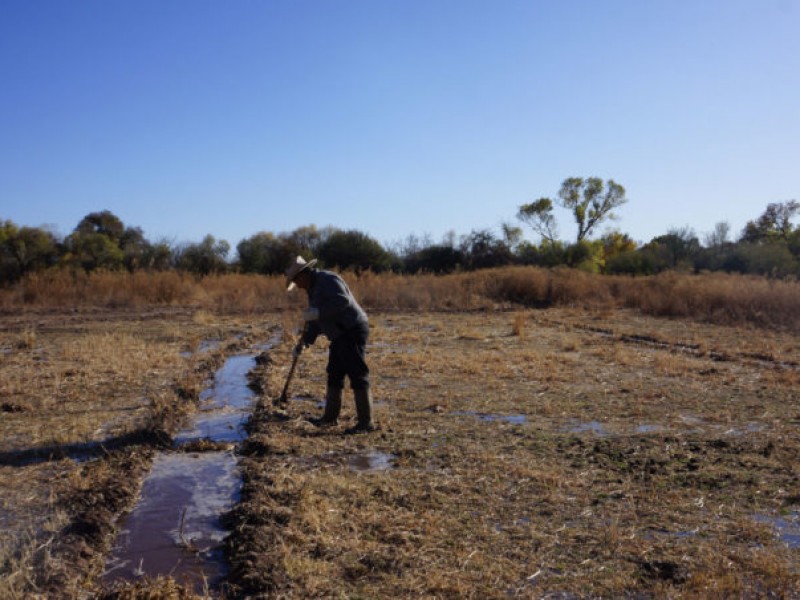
(175, 528)
(181, 520)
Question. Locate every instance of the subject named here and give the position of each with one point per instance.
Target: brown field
(589, 450)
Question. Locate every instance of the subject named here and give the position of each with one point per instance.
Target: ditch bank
(176, 529)
(269, 538)
(157, 459)
(101, 485)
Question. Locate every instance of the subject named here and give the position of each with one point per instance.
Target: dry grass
(583, 450)
(716, 298)
(658, 497)
(78, 385)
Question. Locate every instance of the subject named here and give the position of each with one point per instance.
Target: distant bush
(353, 250)
(435, 259)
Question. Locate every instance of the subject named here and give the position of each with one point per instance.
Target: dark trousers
(347, 356)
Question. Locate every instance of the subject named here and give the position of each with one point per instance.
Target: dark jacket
(338, 309)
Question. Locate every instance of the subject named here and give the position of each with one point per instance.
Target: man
(333, 311)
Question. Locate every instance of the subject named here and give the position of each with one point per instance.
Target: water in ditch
(175, 528)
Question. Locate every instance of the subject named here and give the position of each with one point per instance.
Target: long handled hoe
(284, 398)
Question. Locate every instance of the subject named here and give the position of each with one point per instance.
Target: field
(566, 452)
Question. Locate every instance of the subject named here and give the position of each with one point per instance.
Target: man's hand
(311, 314)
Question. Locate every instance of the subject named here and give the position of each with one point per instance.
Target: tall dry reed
(715, 297)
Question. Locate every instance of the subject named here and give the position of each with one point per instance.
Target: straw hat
(295, 268)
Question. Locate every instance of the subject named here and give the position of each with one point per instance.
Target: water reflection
(175, 528)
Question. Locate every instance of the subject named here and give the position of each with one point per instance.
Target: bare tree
(720, 236)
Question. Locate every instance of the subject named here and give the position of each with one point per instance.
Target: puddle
(217, 427)
(786, 528)
(175, 527)
(748, 428)
(365, 461)
(230, 385)
(207, 345)
(371, 461)
(593, 427)
(488, 417)
(701, 425)
(649, 428)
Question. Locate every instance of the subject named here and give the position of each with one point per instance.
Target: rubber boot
(363, 400)
(333, 406)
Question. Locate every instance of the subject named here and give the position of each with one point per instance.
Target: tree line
(768, 245)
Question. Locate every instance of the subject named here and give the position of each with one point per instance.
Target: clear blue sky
(394, 117)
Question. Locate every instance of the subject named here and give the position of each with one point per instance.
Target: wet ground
(585, 455)
(175, 528)
(563, 462)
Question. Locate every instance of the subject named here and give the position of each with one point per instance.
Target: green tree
(101, 240)
(586, 255)
(633, 262)
(546, 254)
(263, 253)
(104, 223)
(437, 258)
(205, 258)
(794, 242)
(590, 201)
(305, 241)
(92, 251)
(135, 249)
(25, 249)
(483, 250)
(158, 256)
(615, 242)
(775, 224)
(539, 216)
(677, 249)
(773, 259)
(512, 236)
(353, 250)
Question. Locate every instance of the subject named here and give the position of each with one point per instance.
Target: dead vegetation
(710, 297)
(92, 395)
(561, 462)
(587, 450)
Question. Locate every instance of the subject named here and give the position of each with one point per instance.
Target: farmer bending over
(333, 311)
